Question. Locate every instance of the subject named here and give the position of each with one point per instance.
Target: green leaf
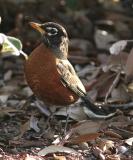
(11, 46)
(16, 42)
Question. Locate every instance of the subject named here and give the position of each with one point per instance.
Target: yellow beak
(37, 27)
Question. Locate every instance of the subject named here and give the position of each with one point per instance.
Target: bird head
(54, 36)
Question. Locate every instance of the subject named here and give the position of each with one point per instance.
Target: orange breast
(44, 80)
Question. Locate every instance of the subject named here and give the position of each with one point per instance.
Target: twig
(112, 86)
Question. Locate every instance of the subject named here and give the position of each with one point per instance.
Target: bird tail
(91, 106)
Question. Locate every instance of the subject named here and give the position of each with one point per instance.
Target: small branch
(112, 86)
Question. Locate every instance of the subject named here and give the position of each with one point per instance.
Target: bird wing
(69, 77)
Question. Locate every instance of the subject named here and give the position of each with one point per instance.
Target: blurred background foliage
(81, 18)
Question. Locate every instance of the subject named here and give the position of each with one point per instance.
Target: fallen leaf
(25, 127)
(129, 67)
(43, 108)
(119, 94)
(116, 63)
(8, 89)
(117, 47)
(113, 157)
(75, 112)
(113, 85)
(90, 70)
(55, 148)
(87, 127)
(85, 138)
(105, 145)
(8, 111)
(122, 149)
(59, 157)
(30, 157)
(104, 82)
(130, 87)
(103, 38)
(112, 133)
(33, 123)
(98, 153)
(4, 98)
(119, 121)
(129, 141)
(8, 75)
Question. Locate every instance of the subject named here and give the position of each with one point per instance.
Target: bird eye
(51, 31)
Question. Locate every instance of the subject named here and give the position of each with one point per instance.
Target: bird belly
(45, 81)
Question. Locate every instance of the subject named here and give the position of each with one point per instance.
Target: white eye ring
(52, 29)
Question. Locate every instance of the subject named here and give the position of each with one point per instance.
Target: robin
(49, 73)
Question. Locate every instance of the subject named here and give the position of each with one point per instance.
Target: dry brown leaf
(87, 127)
(119, 121)
(55, 148)
(32, 123)
(112, 133)
(129, 67)
(131, 114)
(130, 87)
(103, 58)
(85, 138)
(119, 94)
(29, 157)
(75, 112)
(26, 143)
(98, 153)
(8, 89)
(113, 157)
(59, 157)
(116, 61)
(105, 145)
(113, 85)
(25, 127)
(104, 82)
(8, 111)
